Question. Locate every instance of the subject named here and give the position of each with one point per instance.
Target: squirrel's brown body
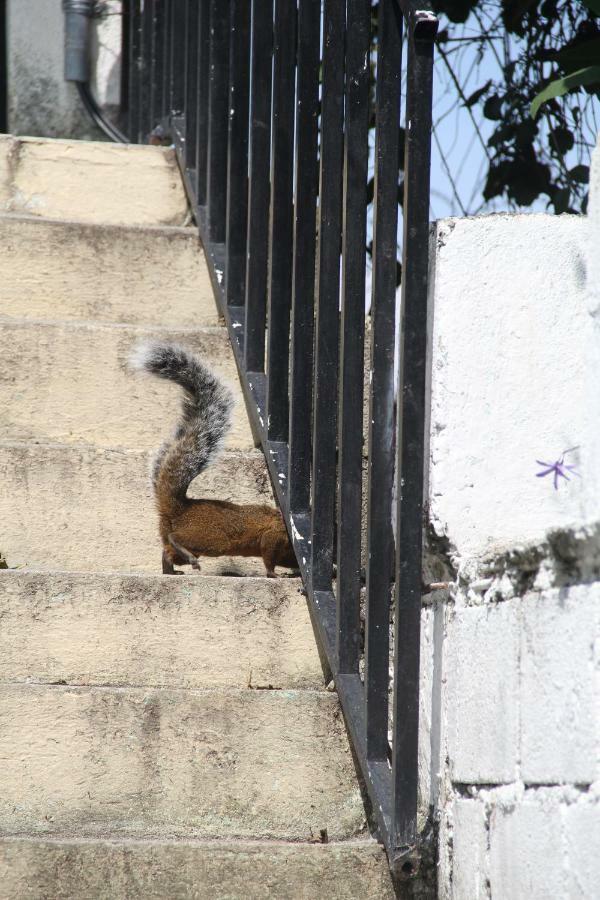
(192, 528)
(220, 528)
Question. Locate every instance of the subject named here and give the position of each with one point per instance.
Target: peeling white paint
(295, 533)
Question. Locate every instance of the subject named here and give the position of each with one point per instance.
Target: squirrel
(192, 528)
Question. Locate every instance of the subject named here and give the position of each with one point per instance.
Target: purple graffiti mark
(559, 468)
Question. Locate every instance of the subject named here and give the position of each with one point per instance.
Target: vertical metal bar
(328, 295)
(303, 277)
(166, 24)
(218, 88)
(3, 69)
(381, 408)
(258, 188)
(158, 61)
(135, 37)
(354, 239)
(191, 84)
(177, 55)
(202, 100)
(281, 233)
(146, 70)
(237, 158)
(123, 119)
(411, 430)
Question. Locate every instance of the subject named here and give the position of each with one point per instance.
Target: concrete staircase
(159, 737)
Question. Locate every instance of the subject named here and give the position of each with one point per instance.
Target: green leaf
(492, 108)
(401, 146)
(497, 179)
(584, 54)
(503, 134)
(548, 9)
(455, 10)
(514, 13)
(562, 139)
(525, 133)
(477, 95)
(594, 5)
(561, 86)
(370, 190)
(560, 200)
(580, 174)
(528, 179)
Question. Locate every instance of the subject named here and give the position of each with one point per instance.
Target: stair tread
(193, 870)
(156, 631)
(146, 275)
(160, 762)
(76, 507)
(91, 181)
(160, 737)
(69, 381)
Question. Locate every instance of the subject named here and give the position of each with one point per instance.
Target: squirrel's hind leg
(167, 565)
(268, 551)
(184, 554)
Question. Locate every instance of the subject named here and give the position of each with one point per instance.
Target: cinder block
(559, 709)
(526, 852)
(582, 836)
(470, 851)
(483, 714)
(431, 704)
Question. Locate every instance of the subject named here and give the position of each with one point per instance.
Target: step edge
(8, 444)
(186, 232)
(351, 843)
(292, 581)
(117, 147)
(291, 694)
(108, 325)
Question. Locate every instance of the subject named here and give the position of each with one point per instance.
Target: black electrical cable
(78, 16)
(98, 117)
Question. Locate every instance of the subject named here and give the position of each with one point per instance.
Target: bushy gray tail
(205, 419)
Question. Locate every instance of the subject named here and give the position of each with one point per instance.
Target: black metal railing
(268, 104)
(3, 69)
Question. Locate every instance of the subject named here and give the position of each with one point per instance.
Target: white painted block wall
(510, 743)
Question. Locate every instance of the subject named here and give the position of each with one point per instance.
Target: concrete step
(87, 509)
(154, 631)
(69, 382)
(116, 184)
(36, 869)
(88, 762)
(70, 270)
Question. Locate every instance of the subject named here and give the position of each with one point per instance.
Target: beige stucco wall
(40, 101)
